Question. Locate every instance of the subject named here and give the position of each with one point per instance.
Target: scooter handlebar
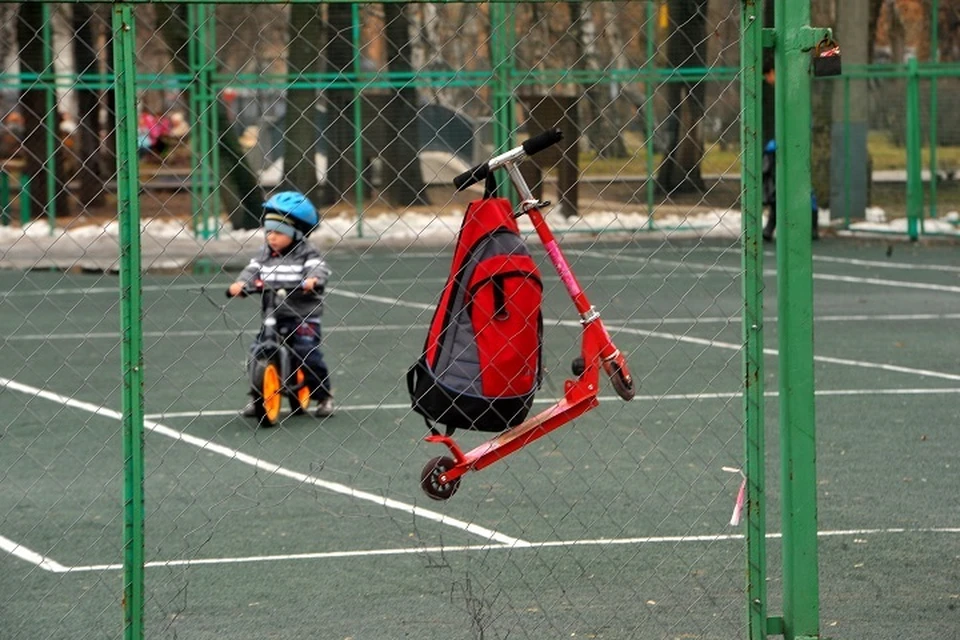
(536, 144)
(541, 141)
(472, 176)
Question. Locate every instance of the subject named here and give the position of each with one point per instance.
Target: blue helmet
(770, 147)
(290, 213)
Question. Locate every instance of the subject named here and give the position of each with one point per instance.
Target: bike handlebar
(529, 147)
(259, 287)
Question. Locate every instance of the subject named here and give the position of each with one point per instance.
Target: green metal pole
(751, 136)
(502, 37)
(357, 119)
(795, 41)
(206, 104)
(4, 198)
(25, 212)
(914, 152)
(196, 137)
(935, 57)
(52, 124)
(649, 113)
(131, 309)
(846, 151)
(209, 52)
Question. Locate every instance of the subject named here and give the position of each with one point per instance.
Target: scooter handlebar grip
(541, 141)
(471, 177)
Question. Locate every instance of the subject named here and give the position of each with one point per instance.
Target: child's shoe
(324, 408)
(248, 411)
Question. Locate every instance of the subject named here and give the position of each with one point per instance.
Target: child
(769, 187)
(287, 261)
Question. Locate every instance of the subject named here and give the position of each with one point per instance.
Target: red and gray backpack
(481, 363)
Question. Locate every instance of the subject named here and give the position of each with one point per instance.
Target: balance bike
(273, 375)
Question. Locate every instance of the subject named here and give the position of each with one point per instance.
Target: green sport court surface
(616, 526)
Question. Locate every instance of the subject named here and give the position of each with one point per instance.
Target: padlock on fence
(826, 58)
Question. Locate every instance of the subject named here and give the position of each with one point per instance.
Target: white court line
(895, 284)
(233, 454)
(899, 266)
(395, 302)
(385, 406)
(104, 335)
(28, 555)
(773, 352)
(370, 328)
(550, 544)
(93, 290)
(688, 339)
(734, 251)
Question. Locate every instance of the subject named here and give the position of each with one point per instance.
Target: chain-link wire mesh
(616, 524)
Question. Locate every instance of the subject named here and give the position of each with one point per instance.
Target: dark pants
(772, 222)
(303, 340)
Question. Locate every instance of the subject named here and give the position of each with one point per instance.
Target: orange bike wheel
(268, 405)
(300, 401)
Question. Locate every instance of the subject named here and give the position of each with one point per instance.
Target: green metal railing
(922, 197)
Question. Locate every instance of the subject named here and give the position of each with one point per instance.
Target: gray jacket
(288, 270)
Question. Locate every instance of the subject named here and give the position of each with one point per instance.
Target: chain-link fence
(142, 140)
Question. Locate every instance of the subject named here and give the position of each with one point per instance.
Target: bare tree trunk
(403, 175)
(898, 32)
(172, 19)
(108, 156)
(33, 103)
(300, 132)
(686, 47)
(91, 181)
(601, 129)
(822, 113)
(875, 6)
(340, 131)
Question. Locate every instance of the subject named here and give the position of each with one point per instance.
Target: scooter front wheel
(430, 478)
(267, 389)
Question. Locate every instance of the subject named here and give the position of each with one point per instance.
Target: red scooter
(441, 476)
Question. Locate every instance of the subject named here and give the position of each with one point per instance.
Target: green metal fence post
(4, 198)
(914, 152)
(649, 112)
(751, 136)
(198, 134)
(502, 39)
(51, 119)
(131, 308)
(356, 65)
(934, 115)
(795, 41)
(211, 223)
(26, 211)
(204, 100)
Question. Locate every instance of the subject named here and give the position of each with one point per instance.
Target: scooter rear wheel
(430, 478)
(622, 382)
(268, 393)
